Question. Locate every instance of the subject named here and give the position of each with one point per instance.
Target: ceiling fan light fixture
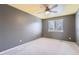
(58, 9)
(47, 12)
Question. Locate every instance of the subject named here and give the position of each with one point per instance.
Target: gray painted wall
(77, 27)
(16, 25)
(69, 28)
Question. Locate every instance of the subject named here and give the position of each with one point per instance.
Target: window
(55, 25)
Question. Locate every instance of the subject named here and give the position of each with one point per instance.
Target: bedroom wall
(17, 27)
(69, 28)
(77, 27)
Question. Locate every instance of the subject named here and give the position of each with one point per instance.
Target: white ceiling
(35, 8)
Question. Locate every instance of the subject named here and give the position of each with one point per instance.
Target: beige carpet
(44, 46)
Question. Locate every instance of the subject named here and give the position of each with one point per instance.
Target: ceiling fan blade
(57, 9)
(54, 11)
(52, 6)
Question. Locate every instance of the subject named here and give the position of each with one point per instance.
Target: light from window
(55, 25)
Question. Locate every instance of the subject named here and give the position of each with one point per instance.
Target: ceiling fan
(52, 8)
